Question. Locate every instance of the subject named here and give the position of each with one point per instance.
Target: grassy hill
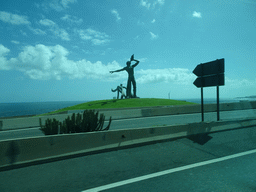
(124, 103)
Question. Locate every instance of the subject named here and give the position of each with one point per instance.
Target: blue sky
(63, 50)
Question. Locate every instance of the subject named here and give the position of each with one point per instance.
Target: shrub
(87, 122)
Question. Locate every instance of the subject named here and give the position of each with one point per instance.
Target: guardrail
(19, 123)
(22, 152)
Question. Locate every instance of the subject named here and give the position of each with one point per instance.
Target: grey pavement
(232, 175)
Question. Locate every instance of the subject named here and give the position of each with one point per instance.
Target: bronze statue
(120, 89)
(130, 70)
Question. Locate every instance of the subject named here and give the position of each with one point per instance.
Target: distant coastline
(247, 97)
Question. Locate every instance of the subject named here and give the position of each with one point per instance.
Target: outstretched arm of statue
(116, 71)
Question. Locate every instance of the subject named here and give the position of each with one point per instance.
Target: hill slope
(124, 103)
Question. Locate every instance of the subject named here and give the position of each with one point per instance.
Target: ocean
(36, 108)
(33, 108)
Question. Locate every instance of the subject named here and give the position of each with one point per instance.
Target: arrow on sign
(209, 81)
(210, 68)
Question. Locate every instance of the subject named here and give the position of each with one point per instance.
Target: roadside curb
(29, 151)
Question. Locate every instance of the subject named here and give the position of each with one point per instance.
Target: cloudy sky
(63, 50)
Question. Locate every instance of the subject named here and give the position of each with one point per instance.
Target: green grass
(123, 103)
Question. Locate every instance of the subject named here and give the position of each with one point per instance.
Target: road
(144, 122)
(223, 172)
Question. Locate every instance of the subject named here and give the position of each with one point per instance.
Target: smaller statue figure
(120, 89)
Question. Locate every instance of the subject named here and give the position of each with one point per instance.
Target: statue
(131, 79)
(120, 89)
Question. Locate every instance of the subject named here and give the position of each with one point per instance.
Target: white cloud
(96, 37)
(197, 14)
(15, 42)
(160, 2)
(36, 31)
(153, 3)
(47, 22)
(66, 2)
(153, 21)
(176, 75)
(3, 61)
(141, 23)
(23, 33)
(153, 36)
(145, 3)
(116, 14)
(72, 19)
(62, 33)
(238, 83)
(59, 5)
(13, 18)
(83, 34)
(99, 41)
(51, 62)
(21, 20)
(54, 28)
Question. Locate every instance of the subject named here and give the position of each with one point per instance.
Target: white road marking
(133, 180)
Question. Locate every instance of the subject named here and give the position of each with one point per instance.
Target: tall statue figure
(130, 70)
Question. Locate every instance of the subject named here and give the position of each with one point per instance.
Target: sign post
(210, 74)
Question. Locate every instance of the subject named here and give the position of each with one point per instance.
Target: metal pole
(218, 104)
(202, 92)
(202, 103)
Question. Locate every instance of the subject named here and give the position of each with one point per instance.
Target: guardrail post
(1, 125)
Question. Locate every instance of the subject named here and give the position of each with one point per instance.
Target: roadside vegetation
(89, 121)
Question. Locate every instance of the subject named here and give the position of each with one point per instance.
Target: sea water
(33, 108)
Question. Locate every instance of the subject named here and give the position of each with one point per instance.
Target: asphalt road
(144, 122)
(234, 174)
(92, 171)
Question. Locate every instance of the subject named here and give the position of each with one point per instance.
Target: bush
(78, 123)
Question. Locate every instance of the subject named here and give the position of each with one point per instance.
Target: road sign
(209, 81)
(210, 74)
(210, 68)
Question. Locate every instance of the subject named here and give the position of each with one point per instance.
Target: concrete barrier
(19, 123)
(25, 151)
(186, 109)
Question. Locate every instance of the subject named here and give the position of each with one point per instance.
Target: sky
(63, 50)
